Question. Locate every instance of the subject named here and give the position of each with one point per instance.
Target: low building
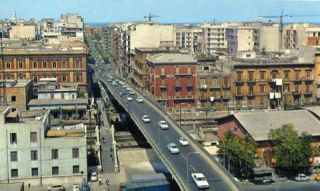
(172, 79)
(17, 93)
(258, 124)
(32, 155)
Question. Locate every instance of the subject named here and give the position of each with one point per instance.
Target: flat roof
(56, 102)
(11, 187)
(171, 58)
(259, 123)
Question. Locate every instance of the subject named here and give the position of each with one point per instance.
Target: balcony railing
(296, 92)
(308, 93)
(183, 97)
(183, 74)
(239, 82)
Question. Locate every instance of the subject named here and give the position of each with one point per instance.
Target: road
(187, 159)
(284, 186)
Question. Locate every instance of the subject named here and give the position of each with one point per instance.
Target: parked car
(146, 119)
(94, 177)
(200, 180)
(57, 187)
(132, 93)
(139, 99)
(76, 187)
(183, 141)
(301, 177)
(163, 124)
(173, 148)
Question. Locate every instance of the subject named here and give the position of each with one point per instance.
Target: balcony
(308, 80)
(296, 93)
(239, 95)
(203, 87)
(178, 86)
(189, 86)
(163, 86)
(239, 82)
(226, 86)
(251, 95)
(215, 87)
(308, 94)
(297, 80)
(183, 97)
(251, 82)
(183, 74)
(225, 97)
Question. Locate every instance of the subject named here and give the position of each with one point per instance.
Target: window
(308, 75)
(78, 77)
(214, 82)
(13, 156)
(64, 64)
(14, 173)
(239, 76)
(54, 64)
(261, 88)
(262, 75)
(34, 155)
(13, 99)
(261, 100)
(34, 172)
(44, 64)
(77, 64)
(54, 154)
(250, 90)
(35, 78)
(13, 138)
(76, 169)
(8, 64)
(75, 153)
(33, 137)
(297, 74)
(286, 87)
(286, 74)
(64, 78)
(250, 75)
(20, 64)
(35, 64)
(55, 170)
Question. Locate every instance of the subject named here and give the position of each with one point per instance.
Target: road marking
(183, 156)
(193, 168)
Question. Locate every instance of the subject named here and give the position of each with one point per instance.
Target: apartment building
(272, 83)
(35, 152)
(214, 38)
(188, 38)
(23, 30)
(313, 36)
(16, 93)
(214, 84)
(66, 62)
(172, 79)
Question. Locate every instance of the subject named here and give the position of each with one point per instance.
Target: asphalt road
(284, 186)
(164, 137)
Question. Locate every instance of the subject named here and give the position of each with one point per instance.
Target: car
(163, 124)
(139, 99)
(57, 187)
(129, 98)
(128, 89)
(85, 186)
(132, 93)
(114, 83)
(173, 148)
(146, 119)
(94, 177)
(183, 141)
(76, 187)
(122, 93)
(301, 177)
(124, 86)
(200, 180)
(317, 177)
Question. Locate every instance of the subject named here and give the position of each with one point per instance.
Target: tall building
(214, 38)
(35, 152)
(188, 38)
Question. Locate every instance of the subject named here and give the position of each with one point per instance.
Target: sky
(170, 11)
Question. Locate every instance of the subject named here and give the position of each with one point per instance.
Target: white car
(301, 177)
(183, 141)
(129, 98)
(94, 177)
(163, 124)
(114, 83)
(173, 148)
(139, 99)
(200, 180)
(132, 93)
(58, 187)
(128, 89)
(76, 187)
(146, 119)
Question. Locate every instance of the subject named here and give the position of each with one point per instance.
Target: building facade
(172, 79)
(30, 156)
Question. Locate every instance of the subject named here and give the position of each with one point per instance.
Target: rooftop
(171, 58)
(15, 83)
(56, 102)
(259, 123)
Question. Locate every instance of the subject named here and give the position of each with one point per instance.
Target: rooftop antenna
(14, 16)
(150, 17)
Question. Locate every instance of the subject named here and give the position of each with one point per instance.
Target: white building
(34, 152)
(214, 38)
(188, 38)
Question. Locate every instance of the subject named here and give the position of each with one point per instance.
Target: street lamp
(189, 154)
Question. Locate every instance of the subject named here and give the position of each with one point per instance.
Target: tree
(292, 151)
(240, 151)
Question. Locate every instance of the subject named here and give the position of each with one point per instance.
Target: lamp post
(189, 154)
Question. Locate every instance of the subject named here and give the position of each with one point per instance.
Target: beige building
(188, 38)
(269, 39)
(23, 30)
(214, 38)
(248, 39)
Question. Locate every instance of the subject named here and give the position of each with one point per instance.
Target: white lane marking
(183, 156)
(193, 168)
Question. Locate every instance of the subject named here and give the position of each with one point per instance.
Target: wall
(232, 125)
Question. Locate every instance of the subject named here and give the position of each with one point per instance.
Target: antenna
(150, 17)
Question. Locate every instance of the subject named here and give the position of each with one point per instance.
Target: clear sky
(168, 10)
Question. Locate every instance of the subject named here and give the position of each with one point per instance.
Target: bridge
(191, 159)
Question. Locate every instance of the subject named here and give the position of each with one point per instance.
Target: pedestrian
(107, 182)
(100, 182)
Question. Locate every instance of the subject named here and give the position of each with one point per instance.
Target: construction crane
(280, 17)
(150, 17)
